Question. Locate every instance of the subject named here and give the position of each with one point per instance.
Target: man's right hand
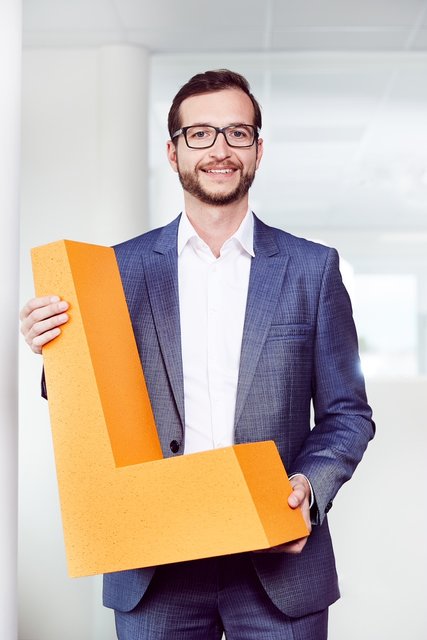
(41, 319)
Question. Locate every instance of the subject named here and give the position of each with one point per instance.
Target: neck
(215, 224)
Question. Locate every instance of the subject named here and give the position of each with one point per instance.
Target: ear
(172, 155)
(260, 151)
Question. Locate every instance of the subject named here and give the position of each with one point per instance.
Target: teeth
(220, 171)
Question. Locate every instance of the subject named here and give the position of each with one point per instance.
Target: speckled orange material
(115, 488)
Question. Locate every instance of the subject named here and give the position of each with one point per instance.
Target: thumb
(299, 492)
(295, 499)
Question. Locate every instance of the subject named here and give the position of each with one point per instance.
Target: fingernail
(55, 299)
(62, 306)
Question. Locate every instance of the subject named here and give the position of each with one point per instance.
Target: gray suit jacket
(299, 345)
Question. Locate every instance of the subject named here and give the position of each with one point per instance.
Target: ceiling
(342, 83)
(169, 26)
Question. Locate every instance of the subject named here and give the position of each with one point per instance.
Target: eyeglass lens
(201, 136)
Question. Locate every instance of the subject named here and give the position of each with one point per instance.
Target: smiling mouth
(220, 171)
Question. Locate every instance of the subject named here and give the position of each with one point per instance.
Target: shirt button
(174, 446)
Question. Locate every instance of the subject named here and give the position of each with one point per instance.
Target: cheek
(191, 163)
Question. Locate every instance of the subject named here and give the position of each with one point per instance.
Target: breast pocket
(289, 332)
(288, 353)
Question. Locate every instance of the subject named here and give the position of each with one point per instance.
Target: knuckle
(31, 306)
(37, 314)
(34, 341)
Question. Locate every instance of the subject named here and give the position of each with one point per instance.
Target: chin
(217, 197)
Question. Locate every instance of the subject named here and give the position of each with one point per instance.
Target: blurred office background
(343, 86)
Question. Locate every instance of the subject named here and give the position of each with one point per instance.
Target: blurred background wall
(344, 95)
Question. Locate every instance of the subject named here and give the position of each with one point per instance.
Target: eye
(240, 133)
(199, 133)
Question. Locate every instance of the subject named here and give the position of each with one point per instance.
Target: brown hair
(209, 82)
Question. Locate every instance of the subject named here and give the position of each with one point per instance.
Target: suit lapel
(266, 278)
(265, 283)
(161, 276)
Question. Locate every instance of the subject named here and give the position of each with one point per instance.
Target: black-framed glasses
(201, 136)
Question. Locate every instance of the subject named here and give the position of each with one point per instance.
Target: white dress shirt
(212, 301)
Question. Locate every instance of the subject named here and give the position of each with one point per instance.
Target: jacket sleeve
(343, 422)
(43, 387)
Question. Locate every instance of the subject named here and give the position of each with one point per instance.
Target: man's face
(221, 174)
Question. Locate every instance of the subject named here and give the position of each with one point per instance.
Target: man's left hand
(300, 497)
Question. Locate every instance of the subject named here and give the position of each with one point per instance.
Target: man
(240, 327)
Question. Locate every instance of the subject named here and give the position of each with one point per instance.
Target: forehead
(219, 108)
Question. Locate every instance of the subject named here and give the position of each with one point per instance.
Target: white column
(10, 94)
(84, 178)
(122, 134)
(422, 323)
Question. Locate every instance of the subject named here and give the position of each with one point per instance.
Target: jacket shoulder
(298, 247)
(162, 238)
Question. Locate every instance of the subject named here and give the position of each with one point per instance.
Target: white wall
(379, 522)
(377, 519)
(10, 103)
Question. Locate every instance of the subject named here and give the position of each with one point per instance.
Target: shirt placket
(214, 349)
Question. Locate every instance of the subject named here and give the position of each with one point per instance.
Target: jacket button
(174, 446)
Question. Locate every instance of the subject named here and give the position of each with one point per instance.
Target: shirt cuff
(309, 484)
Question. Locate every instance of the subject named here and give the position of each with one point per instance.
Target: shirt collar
(244, 234)
(186, 232)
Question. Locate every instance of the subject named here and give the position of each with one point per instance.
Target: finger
(297, 496)
(41, 320)
(38, 310)
(37, 303)
(39, 333)
(300, 491)
(39, 342)
(294, 547)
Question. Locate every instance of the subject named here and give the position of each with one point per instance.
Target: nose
(220, 148)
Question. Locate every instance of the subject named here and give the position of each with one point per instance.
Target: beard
(191, 183)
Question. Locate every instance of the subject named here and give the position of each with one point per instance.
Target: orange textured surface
(115, 488)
